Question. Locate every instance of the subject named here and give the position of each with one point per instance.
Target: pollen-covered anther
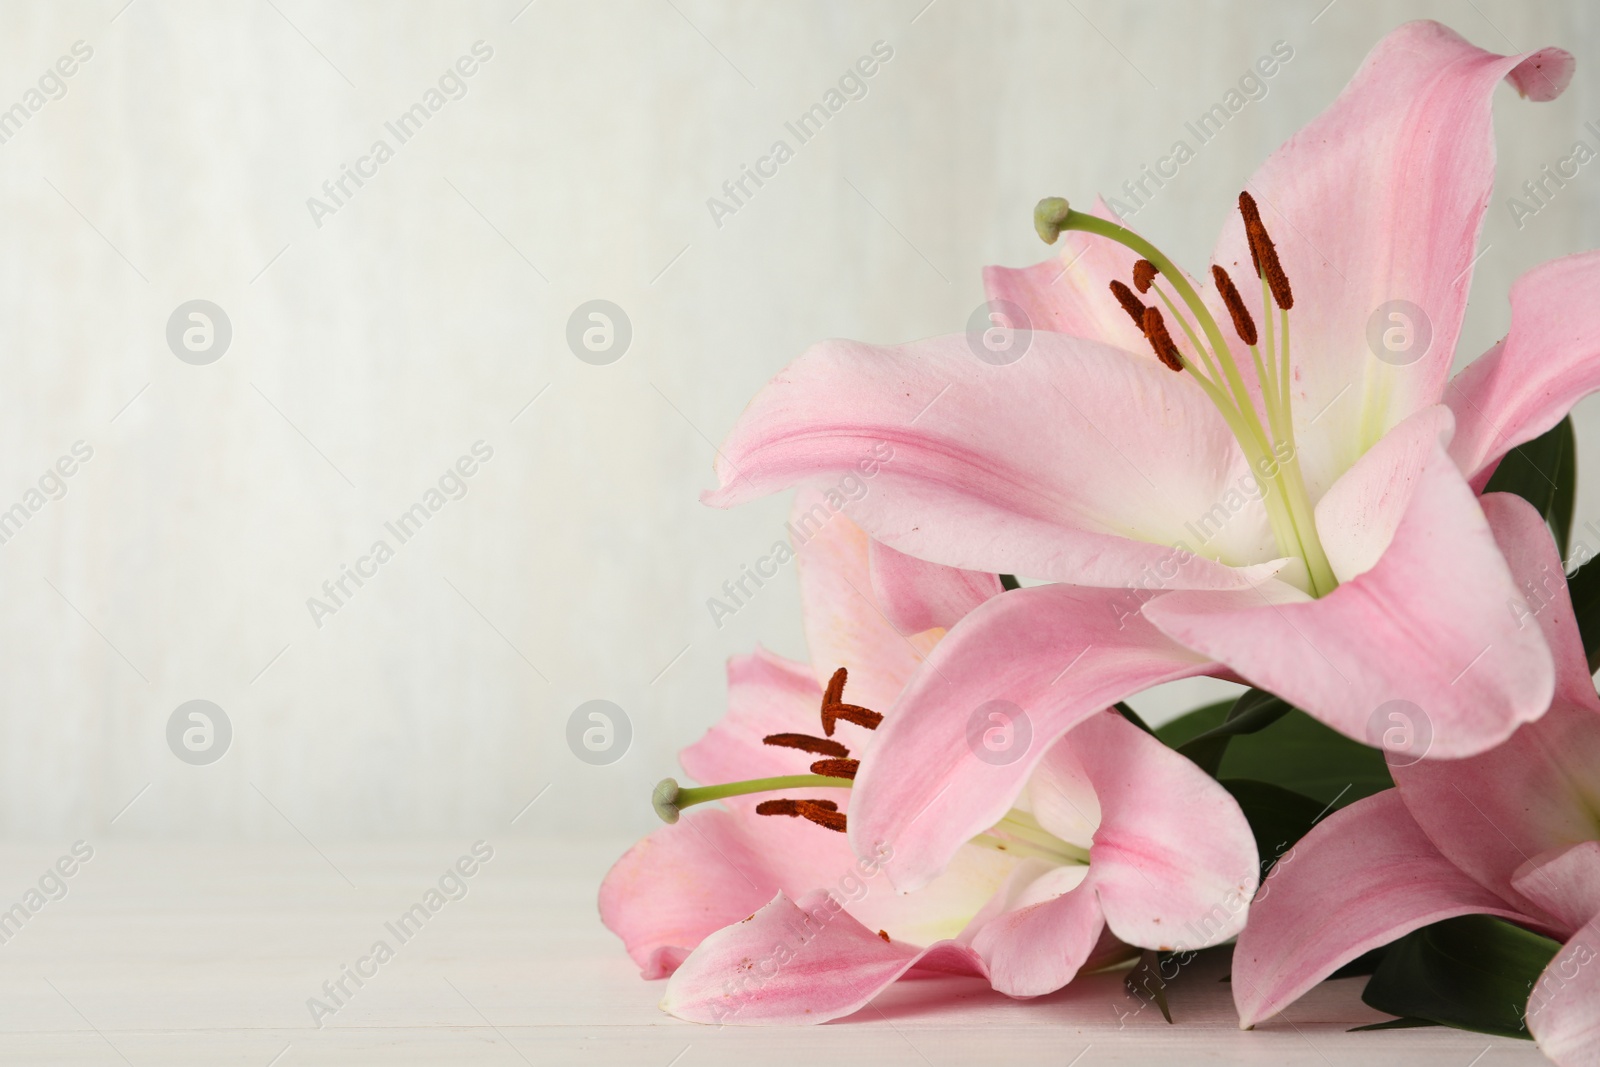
(1155, 328)
(834, 708)
(1243, 324)
(1264, 254)
(836, 768)
(820, 746)
(822, 812)
(1130, 303)
(1252, 220)
(1144, 272)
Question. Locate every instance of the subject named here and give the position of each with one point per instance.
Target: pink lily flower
(1302, 520)
(1116, 841)
(1514, 833)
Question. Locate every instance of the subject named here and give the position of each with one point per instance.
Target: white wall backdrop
(375, 344)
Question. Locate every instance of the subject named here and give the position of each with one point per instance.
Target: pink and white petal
(1548, 362)
(767, 694)
(1079, 462)
(1174, 860)
(1431, 624)
(1540, 790)
(941, 769)
(796, 962)
(1380, 199)
(845, 627)
(1358, 516)
(916, 595)
(1033, 947)
(1071, 293)
(941, 910)
(1564, 882)
(1360, 879)
(711, 868)
(1564, 1007)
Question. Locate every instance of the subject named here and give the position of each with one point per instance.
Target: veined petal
(1071, 292)
(1079, 462)
(767, 694)
(1363, 877)
(1432, 625)
(1564, 1007)
(1358, 516)
(1041, 659)
(797, 961)
(711, 868)
(1376, 201)
(916, 595)
(1549, 361)
(1564, 882)
(1037, 948)
(1174, 862)
(845, 627)
(1540, 790)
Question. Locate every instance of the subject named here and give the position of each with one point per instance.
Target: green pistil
(670, 798)
(1017, 833)
(1289, 506)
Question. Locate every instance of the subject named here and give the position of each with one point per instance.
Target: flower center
(1017, 833)
(1268, 444)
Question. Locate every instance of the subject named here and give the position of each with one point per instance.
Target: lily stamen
(1130, 303)
(820, 746)
(836, 768)
(1269, 449)
(824, 813)
(834, 708)
(1155, 331)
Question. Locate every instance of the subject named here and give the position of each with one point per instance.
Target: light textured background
(371, 352)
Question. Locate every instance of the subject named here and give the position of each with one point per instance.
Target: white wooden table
(180, 954)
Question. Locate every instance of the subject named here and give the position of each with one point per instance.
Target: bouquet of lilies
(1263, 474)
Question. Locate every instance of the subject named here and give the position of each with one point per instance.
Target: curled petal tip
(1544, 75)
(1048, 216)
(665, 800)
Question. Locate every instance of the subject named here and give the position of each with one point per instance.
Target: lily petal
(684, 882)
(1380, 199)
(1079, 462)
(916, 595)
(1431, 624)
(1549, 361)
(1174, 862)
(1056, 654)
(797, 961)
(1541, 789)
(1037, 948)
(767, 694)
(1358, 516)
(1564, 1007)
(1363, 877)
(1564, 882)
(845, 626)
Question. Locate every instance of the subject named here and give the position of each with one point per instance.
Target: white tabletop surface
(195, 954)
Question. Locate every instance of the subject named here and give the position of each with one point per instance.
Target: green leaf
(1192, 724)
(1145, 981)
(1301, 754)
(1278, 817)
(1292, 750)
(1256, 709)
(1394, 1024)
(1584, 585)
(1473, 972)
(1009, 581)
(1544, 472)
